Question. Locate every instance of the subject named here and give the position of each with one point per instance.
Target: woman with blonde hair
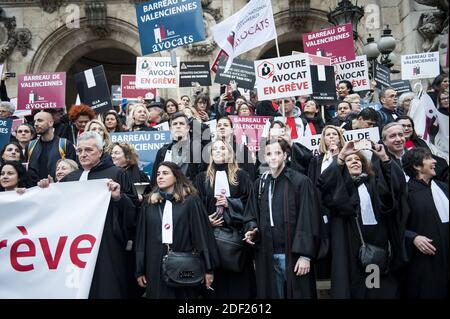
(100, 128)
(138, 117)
(173, 218)
(64, 167)
(225, 191)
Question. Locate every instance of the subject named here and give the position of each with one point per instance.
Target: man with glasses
(388, 112)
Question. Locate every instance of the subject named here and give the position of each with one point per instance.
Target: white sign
(420, 66)
(1, 69)
(283, 77)
(248, 28)
(355, 71)
(156, 73)
(49, 242)
(312, 142)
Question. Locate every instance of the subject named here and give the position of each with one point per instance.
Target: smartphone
(362, 145)
(10, 74)
(276, 131)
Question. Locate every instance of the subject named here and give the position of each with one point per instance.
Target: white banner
(248, 28)
(49, 239)
(355, 71)
(312, 142)
(283, 77)
(156, 73)
(420, 66)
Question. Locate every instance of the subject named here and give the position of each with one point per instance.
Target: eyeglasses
(444, 98)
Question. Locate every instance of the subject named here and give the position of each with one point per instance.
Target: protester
(355, 101)
(12, 151)
(245, 109)
(98, 127)
(184, 102)
(64, 167)
(244, 158)
(43, 153)
(6, 110)
(365, 119)
(112, 122)
(156, 114)
(13, 176)
(427, 235)
(343, 110)
(361, 206)
(171, 107)
(24, 134)
(110, 279)
(227, 210)
(79, 116)
(183, 150)
(313, 122)
(172, 218)
(393, 136)
(388, 112)
(202, 104)
(404, 103)
(284, 226)
(138, 117)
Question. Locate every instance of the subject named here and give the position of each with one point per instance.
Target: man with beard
(43, 152)
(183, 150)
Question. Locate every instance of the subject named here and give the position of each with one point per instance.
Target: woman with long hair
(112, 122)
(225, 190)
(172, 216)
(13, 176)
(243, 156)
(362, 208)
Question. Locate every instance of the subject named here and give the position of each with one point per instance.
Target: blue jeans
(279, 265)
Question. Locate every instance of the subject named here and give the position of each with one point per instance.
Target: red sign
(216, 63)
(316, 59)
(335, 43)
(129, 91)
(41, 91)
(248, 130)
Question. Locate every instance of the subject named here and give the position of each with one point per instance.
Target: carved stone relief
(11, 38)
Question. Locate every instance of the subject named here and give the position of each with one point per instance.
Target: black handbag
(231, 248)
(372, 255)
(182, 269)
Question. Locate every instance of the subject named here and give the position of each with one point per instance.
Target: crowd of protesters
(300, 217)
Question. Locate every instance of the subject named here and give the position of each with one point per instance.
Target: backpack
(61, 147)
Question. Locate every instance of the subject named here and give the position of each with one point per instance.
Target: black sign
(194, 72)
(323, 84)
(382, 75)
(93, 89)
(241, 71)
(401, 86)
(116, 95)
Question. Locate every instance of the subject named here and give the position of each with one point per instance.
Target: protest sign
(215, 65)
(401, 86)
(116, 95)
(164, 25)
(335, 43)
(129, 90)
(312, 142)
(240, 71)
(5, 131)
(283, 77)
(316, 59)
(355, 71)
(324, 88)
(50, 239)
(156, 73)
(146, 144)
(93, 89)
(41, 91)
(420, 66)
(248, 130)
(382, 75)
(195, 72)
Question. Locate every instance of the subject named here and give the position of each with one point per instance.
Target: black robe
(228, 284)
(191, 230)
(340, 194)
(302, 235)
(112, 272)
(427, 275)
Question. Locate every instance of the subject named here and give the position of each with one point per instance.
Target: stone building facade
(71, 36)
